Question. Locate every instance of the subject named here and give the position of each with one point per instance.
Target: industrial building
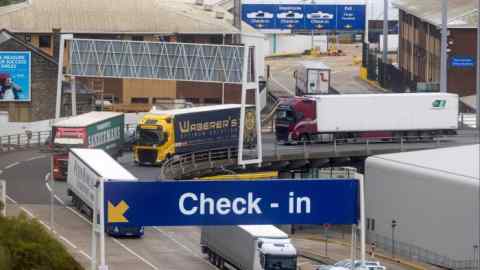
(419, 45)
(427, 203)
(39, 22)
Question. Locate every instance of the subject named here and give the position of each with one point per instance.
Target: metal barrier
(176, 167)
(416, 253)
(39, 139)
(24, 140)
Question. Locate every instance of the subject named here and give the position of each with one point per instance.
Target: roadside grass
(25, 244)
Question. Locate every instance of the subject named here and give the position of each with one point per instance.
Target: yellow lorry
(164, 134)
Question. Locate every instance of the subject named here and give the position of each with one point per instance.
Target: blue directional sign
(176, 203)
(462, 62)
(350, 17)
(305, 16)
(321, 17)
(260, 16)
(290, 17)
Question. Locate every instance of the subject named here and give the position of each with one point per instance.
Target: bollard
(401, 144)
(367, 147)
(9, 142)
(335, 145)
(18, 140)
(39, 137)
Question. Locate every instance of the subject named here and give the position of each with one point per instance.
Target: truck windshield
(286, 115)
(280, 262)
(150, 137)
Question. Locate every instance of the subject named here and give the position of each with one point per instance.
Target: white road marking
(86, 255)
(11, 165)
(45, 225)
(183, 246)
(68, 242)
(135, 254)
(34, 158)
(12, 200)
(59, 200)
(28, 212)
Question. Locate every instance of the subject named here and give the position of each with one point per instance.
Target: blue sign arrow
(177, 203)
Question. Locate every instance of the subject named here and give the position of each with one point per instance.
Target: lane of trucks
(85, 148)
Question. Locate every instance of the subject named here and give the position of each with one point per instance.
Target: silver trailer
(427, 203)
(249, 247)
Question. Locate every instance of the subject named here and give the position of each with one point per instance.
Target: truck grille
(147, 156)
(282, 133)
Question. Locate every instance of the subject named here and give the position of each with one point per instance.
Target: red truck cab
(295, 119)
(63, 140)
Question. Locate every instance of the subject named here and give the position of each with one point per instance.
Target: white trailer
(386, 112)
(86, 168)
(433, 197)
(249, 247)
(312, 78)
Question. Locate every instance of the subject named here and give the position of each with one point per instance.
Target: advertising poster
(15, 74)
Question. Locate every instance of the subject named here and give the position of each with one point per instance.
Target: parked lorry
(325, 117)
(86, 167)
(249, 247)
(312, 78)
(164, 134)
(103, 130)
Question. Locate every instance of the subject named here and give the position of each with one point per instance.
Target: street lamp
(394, 224)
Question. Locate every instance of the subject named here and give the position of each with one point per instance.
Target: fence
(416, 253)
(23, 140)
(40, 139)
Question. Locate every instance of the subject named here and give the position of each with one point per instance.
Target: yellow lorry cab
(163, 134)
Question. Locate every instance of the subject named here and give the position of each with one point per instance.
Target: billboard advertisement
(305, 16)
(15, 71)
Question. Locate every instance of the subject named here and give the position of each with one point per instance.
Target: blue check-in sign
(177, 203)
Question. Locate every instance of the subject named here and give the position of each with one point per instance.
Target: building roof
(460, 161)
(103, 164)
(6, 35)
(115, 16)
(461, 13)
(86, 119)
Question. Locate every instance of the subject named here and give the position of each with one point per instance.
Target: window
(193, 100)
(212, 101)
(139, 100)
(137, 38)
(160, 100)
(44, 41)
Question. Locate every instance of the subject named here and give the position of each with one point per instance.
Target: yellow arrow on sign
(116, 213)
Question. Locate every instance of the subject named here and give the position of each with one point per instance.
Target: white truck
(86, 167)
(312, 78)
(412, 115)
(249, 247)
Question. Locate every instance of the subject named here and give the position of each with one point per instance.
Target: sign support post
(103, 265)
(58, 106)
(93, 255)
(3, 188)
(246, 86)
(362, 217)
